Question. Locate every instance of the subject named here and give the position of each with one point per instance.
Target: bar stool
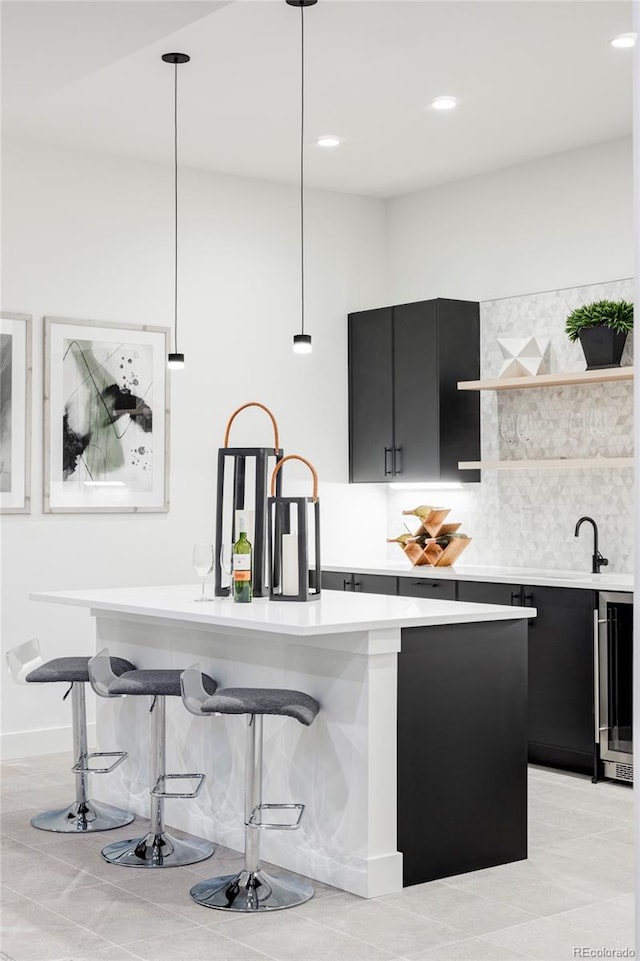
(252, 889)
(26, 666)
(158, 848)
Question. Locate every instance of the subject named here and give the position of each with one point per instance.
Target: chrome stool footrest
(159, 791)
(255, 821)
(81, 768)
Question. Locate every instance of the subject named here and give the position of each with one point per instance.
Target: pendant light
(175, 360)
(302, 341)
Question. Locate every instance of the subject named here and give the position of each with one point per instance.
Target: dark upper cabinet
(407, 419)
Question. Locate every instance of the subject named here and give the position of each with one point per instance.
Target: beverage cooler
(614, 684)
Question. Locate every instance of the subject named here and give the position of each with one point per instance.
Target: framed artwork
(106, 417)
(15, 413)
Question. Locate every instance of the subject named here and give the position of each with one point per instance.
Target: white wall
(88, 236)
(564, 221)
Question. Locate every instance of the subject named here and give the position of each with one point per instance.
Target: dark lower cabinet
(336, 581)
(462, 748)
(424, 587)
(561, 682)
(359, 583)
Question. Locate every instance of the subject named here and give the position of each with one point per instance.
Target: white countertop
(334, 612)
(497, 575)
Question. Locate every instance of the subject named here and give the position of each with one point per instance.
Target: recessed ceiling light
(444, 103)
(328, 140)
(624, 40)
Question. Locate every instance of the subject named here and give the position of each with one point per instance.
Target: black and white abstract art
(15, 410)
(106, 417)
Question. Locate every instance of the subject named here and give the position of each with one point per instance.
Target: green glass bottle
(242, 550)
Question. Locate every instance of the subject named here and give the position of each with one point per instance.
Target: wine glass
(508, 430)
(599, 425)
(203, 565)
(525, 428)
(576, 427)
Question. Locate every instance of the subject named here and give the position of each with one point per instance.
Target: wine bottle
(242, 551)
(422, 511)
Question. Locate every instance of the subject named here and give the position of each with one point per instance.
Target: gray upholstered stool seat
(252, 889)
(165, 682)
(158, 848)
(262, 700)
(71, 669)
(83, 815)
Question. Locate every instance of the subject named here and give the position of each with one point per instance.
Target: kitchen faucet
(597, 561)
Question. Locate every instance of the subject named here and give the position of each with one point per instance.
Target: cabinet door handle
(356, 586)
(346, 585)
(596, 675)
(424, 583)
(388, 470)
(397, 460)
(527, 600)
(515, 598)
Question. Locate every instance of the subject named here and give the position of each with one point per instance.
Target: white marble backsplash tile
(526, 518)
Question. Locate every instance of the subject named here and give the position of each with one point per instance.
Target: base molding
(50, 740)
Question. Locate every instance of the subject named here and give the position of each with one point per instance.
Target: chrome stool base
(82, 817)
(158, 851)
(249, 891)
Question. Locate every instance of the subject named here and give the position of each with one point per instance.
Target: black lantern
(242, 491)
(294, 541)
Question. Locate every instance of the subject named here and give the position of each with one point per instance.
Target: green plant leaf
(617, 314)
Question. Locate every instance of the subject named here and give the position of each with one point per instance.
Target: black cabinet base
(462, 748)
(558, 757)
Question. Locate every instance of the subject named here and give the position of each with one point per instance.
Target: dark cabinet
(336, 581)
(424, 587)
(561, 672)
(407, 419)
(561, 682)
(359, 583)
(462, 748)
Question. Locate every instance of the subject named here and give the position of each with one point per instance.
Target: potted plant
(602, 329)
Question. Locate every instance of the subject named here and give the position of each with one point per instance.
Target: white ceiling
(534, 77)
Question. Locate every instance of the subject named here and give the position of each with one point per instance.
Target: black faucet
(597, 561)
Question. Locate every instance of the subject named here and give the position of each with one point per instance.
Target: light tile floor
(61, 902)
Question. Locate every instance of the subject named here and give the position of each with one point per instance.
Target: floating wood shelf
(608, 375)
(547, 464)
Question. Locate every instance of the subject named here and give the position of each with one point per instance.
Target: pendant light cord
(302, 167)
(175, 197)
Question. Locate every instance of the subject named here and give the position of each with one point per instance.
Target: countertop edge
(592, 582)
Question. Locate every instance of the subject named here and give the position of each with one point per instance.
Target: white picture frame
(106, 417)
(15, 413)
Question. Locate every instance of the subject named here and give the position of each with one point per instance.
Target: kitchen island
(420, 744)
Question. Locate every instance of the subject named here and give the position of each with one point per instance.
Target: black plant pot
(602, 346)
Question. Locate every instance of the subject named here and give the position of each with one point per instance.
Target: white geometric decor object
(523, 356)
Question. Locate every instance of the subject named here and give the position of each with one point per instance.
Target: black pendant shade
(175, 361)
(302, 341)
